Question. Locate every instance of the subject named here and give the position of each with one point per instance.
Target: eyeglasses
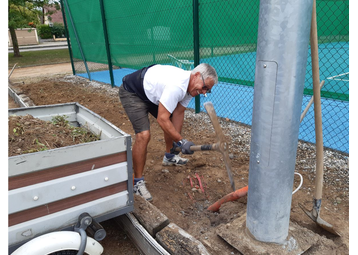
(208, 90)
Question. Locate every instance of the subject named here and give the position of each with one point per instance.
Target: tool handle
(317, 105)
(205, 147)
(310, 103)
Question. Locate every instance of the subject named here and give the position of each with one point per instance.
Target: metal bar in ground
(278, 94)
(13, 68)
(67, 37)
(196, 45)
(78, 40)
(107, 42)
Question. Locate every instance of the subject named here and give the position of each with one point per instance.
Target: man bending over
(163, 91)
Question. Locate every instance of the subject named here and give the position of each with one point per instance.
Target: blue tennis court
(334, 114)
(334, 70)
(236, 101)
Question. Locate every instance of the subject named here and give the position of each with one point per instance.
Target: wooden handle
(317, 105)
(204, 147)
(310, 103)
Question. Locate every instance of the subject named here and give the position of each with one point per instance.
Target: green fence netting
(137, 33)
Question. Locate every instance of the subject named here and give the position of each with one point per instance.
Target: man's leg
(137, 112)
(139, 152)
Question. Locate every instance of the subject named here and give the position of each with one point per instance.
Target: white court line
(333, 77)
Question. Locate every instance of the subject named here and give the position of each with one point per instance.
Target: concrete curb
(45, 45)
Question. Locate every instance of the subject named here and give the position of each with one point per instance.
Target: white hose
(299, 186)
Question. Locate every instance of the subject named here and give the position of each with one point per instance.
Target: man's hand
(185, 146)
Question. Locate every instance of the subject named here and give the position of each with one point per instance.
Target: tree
(23, 12)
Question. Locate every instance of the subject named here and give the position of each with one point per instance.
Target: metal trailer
(48, 190)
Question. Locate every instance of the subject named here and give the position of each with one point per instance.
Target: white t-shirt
(167, 85)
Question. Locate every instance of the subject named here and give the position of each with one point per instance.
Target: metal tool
(220, 146)
(314, 213)
(13, 68)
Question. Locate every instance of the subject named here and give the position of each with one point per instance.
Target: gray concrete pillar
(282, 50)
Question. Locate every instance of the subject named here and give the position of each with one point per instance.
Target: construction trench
(266, 227)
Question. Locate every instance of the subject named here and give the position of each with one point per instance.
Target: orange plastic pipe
(229, 197)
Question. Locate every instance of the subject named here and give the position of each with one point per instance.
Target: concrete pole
(282, 50)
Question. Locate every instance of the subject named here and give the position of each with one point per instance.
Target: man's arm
(171, 128)
(178, 117)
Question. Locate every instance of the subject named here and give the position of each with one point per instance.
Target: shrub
(44, 31)
(58, 30)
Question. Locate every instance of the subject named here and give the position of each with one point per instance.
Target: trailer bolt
(106, 178)
(73, 187)
(27, 233)
(36, 198)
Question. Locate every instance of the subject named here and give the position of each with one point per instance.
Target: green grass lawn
(35, 58)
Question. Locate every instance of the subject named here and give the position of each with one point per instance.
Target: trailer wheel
(59, 243)
(67, 252)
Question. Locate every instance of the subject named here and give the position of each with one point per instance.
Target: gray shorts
(137, 110)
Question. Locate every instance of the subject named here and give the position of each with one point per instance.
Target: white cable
(299, 186)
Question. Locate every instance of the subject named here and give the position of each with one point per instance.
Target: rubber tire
(66, 252)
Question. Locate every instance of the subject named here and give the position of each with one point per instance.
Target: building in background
(55, 17)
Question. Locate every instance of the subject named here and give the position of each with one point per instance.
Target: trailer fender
(58, 241)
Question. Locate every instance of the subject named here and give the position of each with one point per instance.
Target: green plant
(58, 30)
(82, 134)
(42, 146)
(19, 130)
(44, 31)
(60, 120)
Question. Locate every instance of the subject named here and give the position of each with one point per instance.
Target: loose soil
(28, 134)
(170, 186)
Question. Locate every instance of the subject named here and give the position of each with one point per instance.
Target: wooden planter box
(48, 190)
(25, 36)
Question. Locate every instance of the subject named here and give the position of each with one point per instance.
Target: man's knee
(143, 137)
